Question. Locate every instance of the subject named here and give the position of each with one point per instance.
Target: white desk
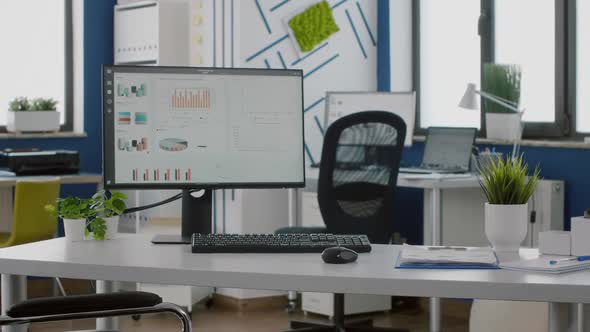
(133, 258)
(7, 184)
(433, 186)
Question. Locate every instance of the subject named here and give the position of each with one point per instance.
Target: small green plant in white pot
(38, 115)
(75, 212)
(503, 81)
(108, 206)
(508, 189)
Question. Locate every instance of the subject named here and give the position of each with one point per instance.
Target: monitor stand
(196, 218)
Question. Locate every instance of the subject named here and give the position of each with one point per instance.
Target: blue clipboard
(443, 266)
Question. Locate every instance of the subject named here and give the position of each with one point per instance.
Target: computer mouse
(339, 255)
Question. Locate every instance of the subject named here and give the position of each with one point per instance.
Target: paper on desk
(436, 176)
(422, 255)
(541, 264)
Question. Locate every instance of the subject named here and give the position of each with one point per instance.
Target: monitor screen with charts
(187, 127)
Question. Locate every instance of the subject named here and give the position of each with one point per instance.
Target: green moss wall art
(313, 26)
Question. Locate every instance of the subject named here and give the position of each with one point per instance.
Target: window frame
(564, 117)
(68, 109)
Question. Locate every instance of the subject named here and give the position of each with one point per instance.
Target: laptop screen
(448, 148)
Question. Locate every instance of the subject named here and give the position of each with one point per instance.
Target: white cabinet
(152, 32)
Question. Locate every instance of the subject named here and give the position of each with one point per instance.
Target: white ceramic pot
(503, 126)
(506, 226)
(74, 229)
(112, 226)
(32, 121)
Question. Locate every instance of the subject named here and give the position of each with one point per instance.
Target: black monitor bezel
(108, 130)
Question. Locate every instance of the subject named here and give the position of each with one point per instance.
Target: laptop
(447, 150)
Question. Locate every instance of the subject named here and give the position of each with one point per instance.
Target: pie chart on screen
(173, 144)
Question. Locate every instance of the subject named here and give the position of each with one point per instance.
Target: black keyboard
(279, 243)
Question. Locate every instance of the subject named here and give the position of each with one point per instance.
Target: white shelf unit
(152, 32)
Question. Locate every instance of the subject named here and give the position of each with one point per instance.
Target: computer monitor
(202, 128)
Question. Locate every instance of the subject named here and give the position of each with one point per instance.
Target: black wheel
(136, 317)
(291, 307)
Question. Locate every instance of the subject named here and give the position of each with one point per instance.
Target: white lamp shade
(470, 100)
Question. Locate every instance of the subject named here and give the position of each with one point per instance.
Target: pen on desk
(447, 248)
(569, 259)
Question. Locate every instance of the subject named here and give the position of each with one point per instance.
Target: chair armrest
(83, 304)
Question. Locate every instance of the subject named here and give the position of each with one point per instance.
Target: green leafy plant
(71, 208)
(105, 204)
(313, 25)
(19, 104)
(501, 80)
(504, 182)
(109, 204)
(23, 104)
(44, 104)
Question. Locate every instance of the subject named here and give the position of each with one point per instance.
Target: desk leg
(435, 206)
(111, 323)
(14, 290)
(569, 317)
(294, 210)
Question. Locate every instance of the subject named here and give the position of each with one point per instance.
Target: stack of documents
(543, 265)
(423, 257)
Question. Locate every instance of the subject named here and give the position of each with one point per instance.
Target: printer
(37, 162)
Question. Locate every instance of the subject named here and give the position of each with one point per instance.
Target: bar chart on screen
(190, 99)
(161, 175)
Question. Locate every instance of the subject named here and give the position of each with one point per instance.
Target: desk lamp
(470, 101)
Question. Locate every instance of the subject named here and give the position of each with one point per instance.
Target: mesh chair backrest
(358, 174)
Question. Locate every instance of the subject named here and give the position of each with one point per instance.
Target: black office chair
(91, 306)
(356, 188)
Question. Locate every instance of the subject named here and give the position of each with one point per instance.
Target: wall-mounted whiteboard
(339, 104)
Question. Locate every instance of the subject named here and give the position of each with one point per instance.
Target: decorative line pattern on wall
(282, 60)
(356, 34)
(321, 66)
(279, 5)
(319, 124)
(373, 40)
(338, 4)
(271, 45)
(296, 62)
(314, 104)
(263, 17)
(334, 65)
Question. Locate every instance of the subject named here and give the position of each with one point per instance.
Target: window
(36, 60)
(583, 66)
(452, 52)
(449, 58)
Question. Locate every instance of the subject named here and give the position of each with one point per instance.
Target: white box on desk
(323, 303)
(555, 243)
(580, 236)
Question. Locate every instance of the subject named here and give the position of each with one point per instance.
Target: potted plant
(75, 212)
(502, 81)
(108, 207)
(508, 189)
(38, 115)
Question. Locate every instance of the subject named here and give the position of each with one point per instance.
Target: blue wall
(98, 50)
(569, 165)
